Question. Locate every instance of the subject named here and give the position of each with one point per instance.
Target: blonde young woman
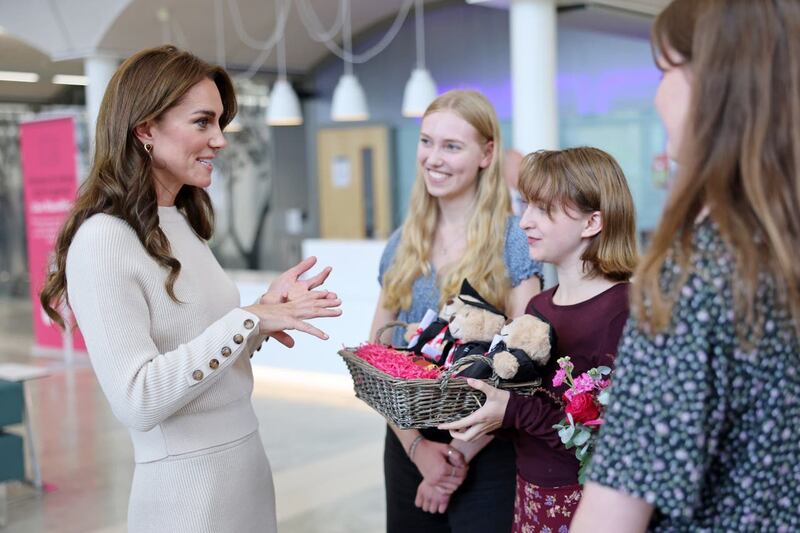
(459, 226)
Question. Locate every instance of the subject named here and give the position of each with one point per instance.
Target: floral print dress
(544, 509)
(702, 426)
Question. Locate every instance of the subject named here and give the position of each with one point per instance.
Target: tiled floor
(325, 450)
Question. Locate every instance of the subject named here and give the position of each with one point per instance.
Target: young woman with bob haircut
(580, 218)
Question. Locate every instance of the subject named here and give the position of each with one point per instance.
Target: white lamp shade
(349, 102)
(420, 92)
(284, 106)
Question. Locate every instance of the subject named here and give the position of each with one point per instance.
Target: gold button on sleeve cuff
(214, 364)
(249, 324)
(197, 375)
(226, 352)
(238, 338)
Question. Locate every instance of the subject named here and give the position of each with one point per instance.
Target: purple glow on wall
(497, 92)
(582, 93)
(601, 92)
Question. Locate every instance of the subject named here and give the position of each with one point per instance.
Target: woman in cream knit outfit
(166, 336)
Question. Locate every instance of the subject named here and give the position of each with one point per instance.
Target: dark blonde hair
(587, 180)
(120, 182)
(482, 263)
(740, 153)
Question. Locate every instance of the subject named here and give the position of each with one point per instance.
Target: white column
(98, 70)
(533, 80)
(533, 74)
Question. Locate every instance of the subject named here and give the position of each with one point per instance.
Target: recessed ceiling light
(24, 77)
(70, 79)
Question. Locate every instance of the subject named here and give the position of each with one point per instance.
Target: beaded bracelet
(413, 447)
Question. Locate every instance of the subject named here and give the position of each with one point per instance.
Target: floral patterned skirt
(544, 509)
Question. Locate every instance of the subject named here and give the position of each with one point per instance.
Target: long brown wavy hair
(120, 182)
(740, 153)
(482, 263)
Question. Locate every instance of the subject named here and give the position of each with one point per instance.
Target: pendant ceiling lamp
(284, 106)
(349, 103)
(420, 89)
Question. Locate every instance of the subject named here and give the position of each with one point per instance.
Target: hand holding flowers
(586, 398)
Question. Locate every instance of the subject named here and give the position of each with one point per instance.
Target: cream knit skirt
(227, 488)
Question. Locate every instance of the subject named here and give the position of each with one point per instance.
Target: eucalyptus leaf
(604, 397)
(604, 370)
(583, 453)
(582, 437)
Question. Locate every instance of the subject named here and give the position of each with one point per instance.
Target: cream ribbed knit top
(177, 375)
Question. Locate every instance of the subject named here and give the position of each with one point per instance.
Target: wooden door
(354, 184)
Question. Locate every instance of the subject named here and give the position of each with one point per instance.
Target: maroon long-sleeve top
(587, 332)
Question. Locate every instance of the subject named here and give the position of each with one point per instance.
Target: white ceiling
(195, 20)
(50, 36)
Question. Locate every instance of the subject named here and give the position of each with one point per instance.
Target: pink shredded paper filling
(395, 363)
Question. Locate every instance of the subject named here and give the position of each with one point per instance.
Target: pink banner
(50, 181)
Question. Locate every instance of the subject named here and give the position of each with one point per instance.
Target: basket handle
(386, 327)
(494, 380)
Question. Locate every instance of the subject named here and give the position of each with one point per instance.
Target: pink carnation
(584, 383)
(559, 378)
(569, 394)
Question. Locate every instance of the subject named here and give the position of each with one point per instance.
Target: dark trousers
(483, 504)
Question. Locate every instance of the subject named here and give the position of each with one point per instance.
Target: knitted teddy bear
(523, 350)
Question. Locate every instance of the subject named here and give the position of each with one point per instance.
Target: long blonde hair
(741, 150)
(483, 262)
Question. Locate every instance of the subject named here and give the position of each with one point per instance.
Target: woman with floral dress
(702, 430)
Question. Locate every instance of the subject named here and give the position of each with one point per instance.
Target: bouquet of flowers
(585, 399)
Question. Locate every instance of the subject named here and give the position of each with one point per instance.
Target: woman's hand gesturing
(289, 285)
(276, 318)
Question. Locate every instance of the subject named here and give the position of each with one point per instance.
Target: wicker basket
(422, 403)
